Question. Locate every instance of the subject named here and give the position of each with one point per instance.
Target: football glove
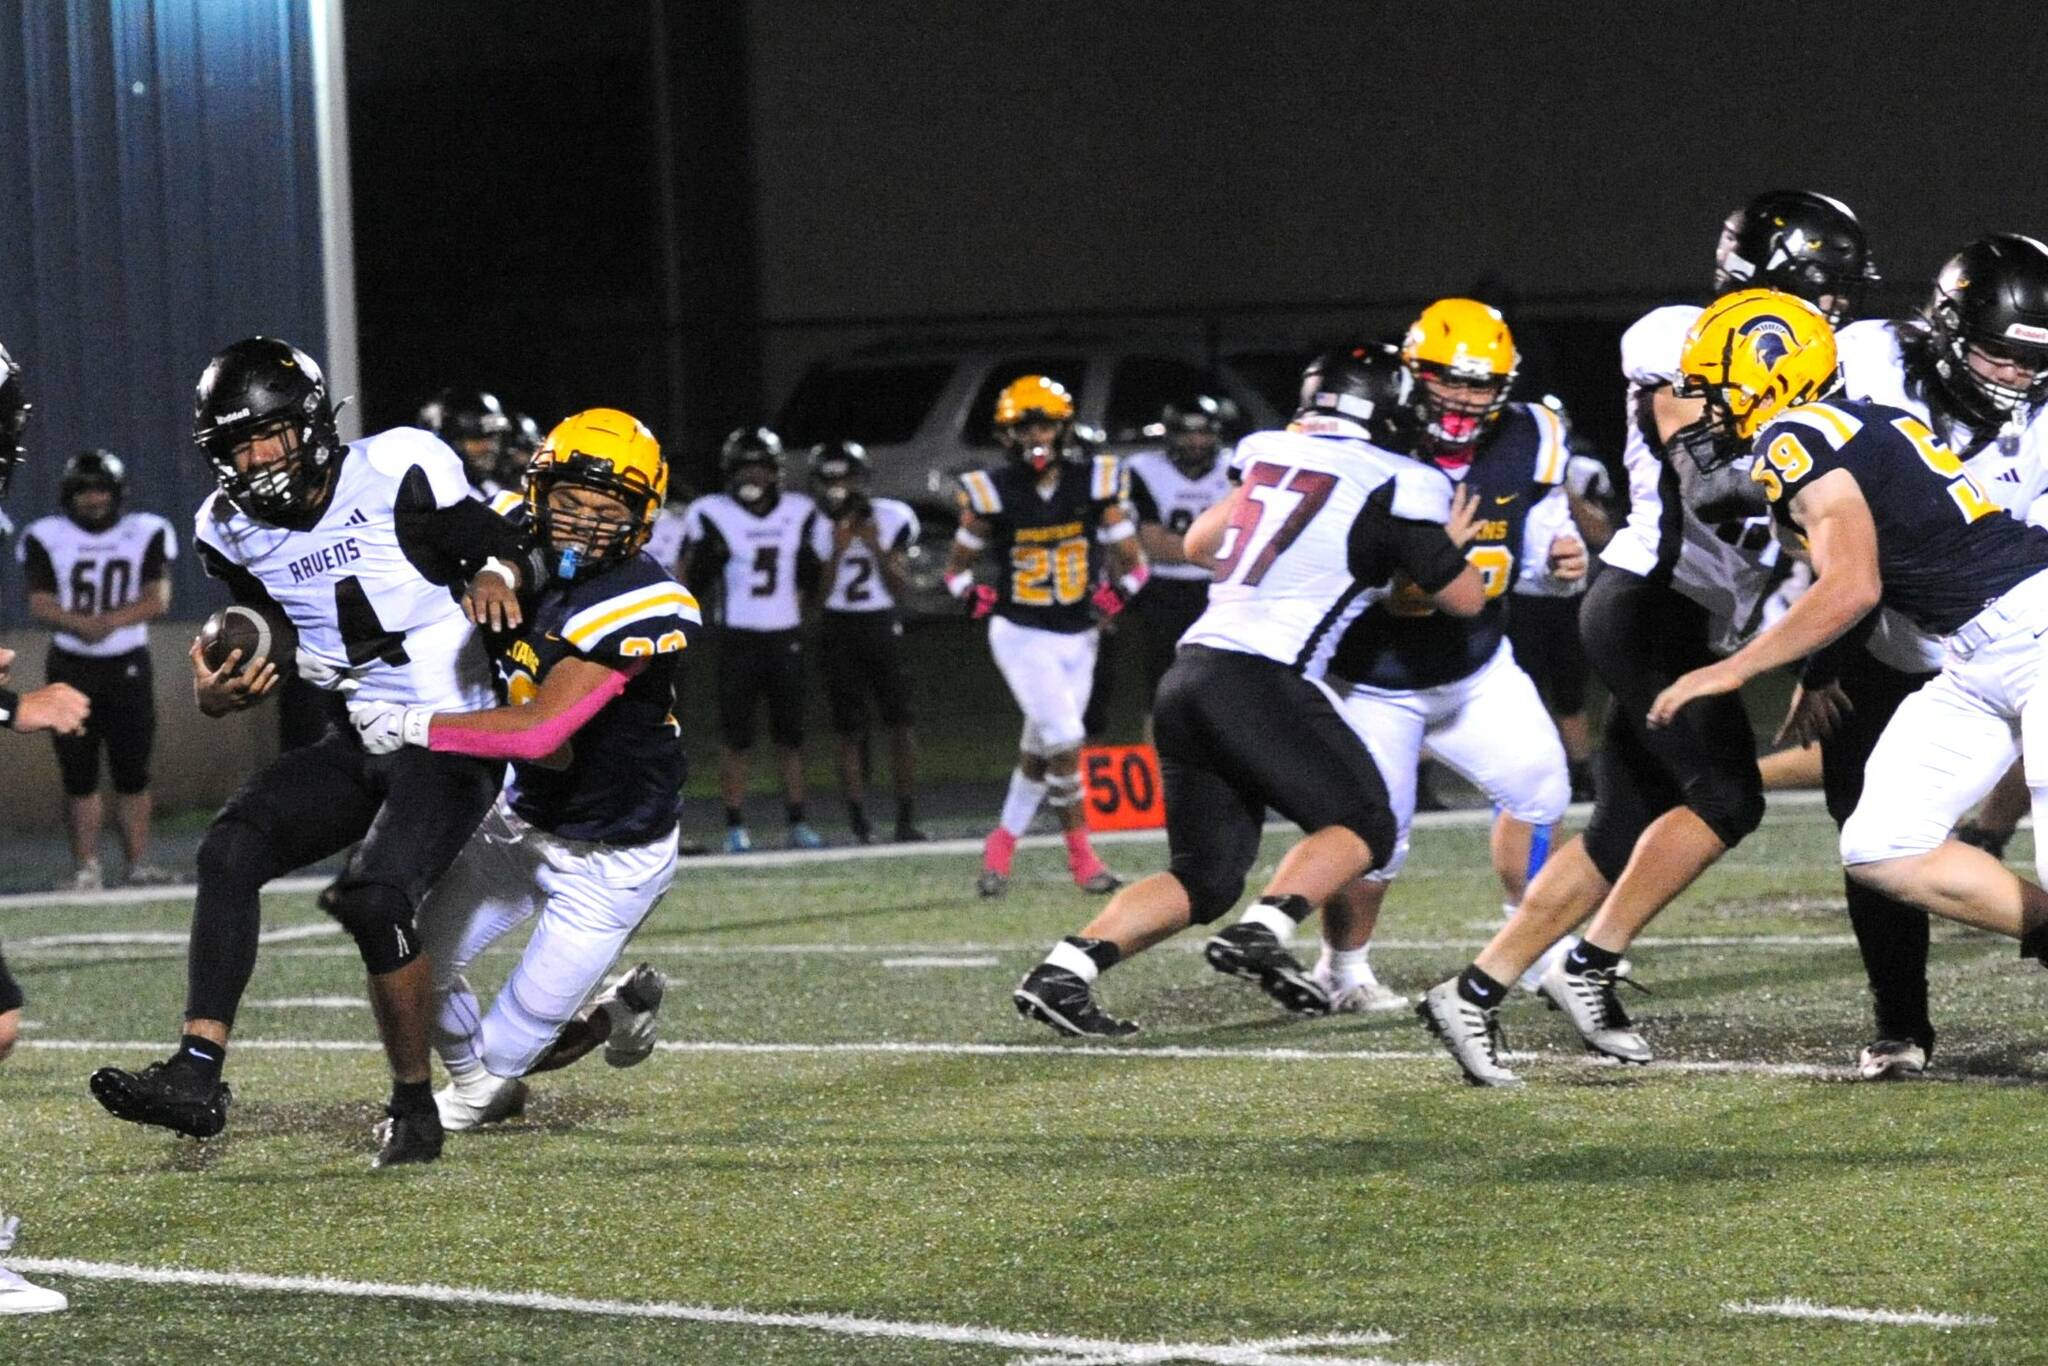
(1112, 596)
(980, 598)
(386, 727)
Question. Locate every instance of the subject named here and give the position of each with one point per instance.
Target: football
(258, 632)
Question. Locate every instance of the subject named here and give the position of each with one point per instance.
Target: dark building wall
(161, 199)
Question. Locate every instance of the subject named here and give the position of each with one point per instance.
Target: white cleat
(1891, 1059)
(18, 1296)
(1532, 980)
(633, 1005)
(1588, 1001)
(1470, 1032)
(473, 1099)
(1366, 997)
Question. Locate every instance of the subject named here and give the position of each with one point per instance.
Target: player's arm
(703, 556)
(1205, 534)
(1842, 539)
(894, 559)
(452, 538)
(1552, 548)
(969, 540)
(574, 690)
(1128, 569)
(1432, 555)
(232, 687)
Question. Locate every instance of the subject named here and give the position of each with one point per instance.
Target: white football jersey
(1161, 493)
(761, 555)
(1283, 586)
(1662, 536)
(364, 612)
(97, 571)
(859, 586)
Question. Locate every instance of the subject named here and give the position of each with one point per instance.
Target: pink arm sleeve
(533, 742)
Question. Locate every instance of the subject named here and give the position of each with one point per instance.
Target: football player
(1889, 517)
(754, 541)
(363, 546)
(1974, 370)
(1319, 525)
(97, 574)
(476, 424)
(1682, 579)
(1415, 679)
(1170, 487)
(584, 835)
(864, 543)
(1041, 517)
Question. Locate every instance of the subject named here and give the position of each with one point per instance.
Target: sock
(794, 812)
(1481, 990)
(1346, 968)
(1087, 959)
(204, 1054)
(411, 1097)
(1590, 958)
(906, 811)
(1081, 854)
(997, 850)
(1021, 803)
(1280, 914)
(857, 817)
(734, 817)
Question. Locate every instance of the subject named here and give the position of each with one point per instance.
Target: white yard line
(1908, 1318)
(1045, 1348)
(309, 1003)
(315, 929)
(942, 961)
(795, 858)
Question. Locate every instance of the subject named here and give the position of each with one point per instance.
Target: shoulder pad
(1836, 426)
(506, 503)
(1552, 455)
(635, 610)
(983, 499)
(1421, 493)
(1107, 482)
(1651, 347)
(394, 452)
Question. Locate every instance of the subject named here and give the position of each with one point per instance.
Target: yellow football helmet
(1753, 354)
(1459, 345)
(605, 451)
(1034, 398)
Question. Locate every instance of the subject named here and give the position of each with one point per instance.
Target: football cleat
(171, 1095)
(992, 884)
(1589, 1002)
(18, 1296)
(1101, 882)
(1471, 1033)
(907, 832)
(737, 840)
(1059, 998)
(632, 1003)
(86, 879)
(404, 1139)
(1891, 1059)
(1254, 951)
(801, 836)
(475, 1098)
(1366, 998)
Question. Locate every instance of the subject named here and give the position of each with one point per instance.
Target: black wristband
(10, 705)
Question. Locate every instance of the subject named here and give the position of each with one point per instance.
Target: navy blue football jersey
(1945, 548)
(1044, 546)
(1402, 643)
(619, 778)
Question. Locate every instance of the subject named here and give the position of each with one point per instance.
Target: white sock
(1273, 918)
(1020, 804)
(1065, 955)
(1346, 968)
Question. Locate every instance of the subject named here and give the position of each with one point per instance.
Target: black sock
(906, 811)
(1481, 990)
(857, 817)
(1892, 937)
(1101, 952)
(204, 1054)
(795, 812)
(1585, 958)
(734, 816)
(411, 1097)
(1294, 907)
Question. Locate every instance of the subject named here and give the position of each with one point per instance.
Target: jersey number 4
(1269, 486)
(361, 631)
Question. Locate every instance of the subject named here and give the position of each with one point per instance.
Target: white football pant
(1050, 673)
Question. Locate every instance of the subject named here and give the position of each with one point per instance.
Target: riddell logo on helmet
(236, 416)
(2027, 332)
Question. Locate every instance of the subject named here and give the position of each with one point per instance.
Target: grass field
(853, 1151)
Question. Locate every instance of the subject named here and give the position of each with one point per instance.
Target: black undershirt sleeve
(1383, 545)
(1142, 501)
(36, 569)
(809, 568)
(243, 586)
(153, 558)
(707, 560)
(450, 544)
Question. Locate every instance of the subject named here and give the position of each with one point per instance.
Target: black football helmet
(1801, 242)
(1194, 432)
(475, 423)
(94, 469)
(749, 449)
(1988, 324)
(521, 444)
(261, 387)
(1366, 386)
(14, 410)
(838, 469)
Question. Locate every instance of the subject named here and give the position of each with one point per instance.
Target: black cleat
(411, 1137)
(1893, 1059)
(1056, 997)
(992, 884)
(171, 1095)
(1253, 951)
(907, 832)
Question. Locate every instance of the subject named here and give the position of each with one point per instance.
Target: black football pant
(413, 811)
(1891, 935)
(10, 990)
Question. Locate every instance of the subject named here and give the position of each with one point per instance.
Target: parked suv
(924, 413)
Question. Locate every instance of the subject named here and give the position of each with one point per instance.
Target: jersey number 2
(1264, 486)
(361, 631)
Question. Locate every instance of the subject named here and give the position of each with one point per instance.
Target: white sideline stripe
(938, 961)
(1158, 1052)
(1070, 1351)
(1912, 1318)
(309, 1003)
(310, 930)
(794, 858)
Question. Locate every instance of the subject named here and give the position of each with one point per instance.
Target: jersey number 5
(1268, 486)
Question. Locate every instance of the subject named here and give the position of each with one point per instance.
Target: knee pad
(380, 919)
(1212, 890)
(1731, 808)
(1062, 789)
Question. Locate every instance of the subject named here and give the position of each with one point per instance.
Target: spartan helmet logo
(1772, 339)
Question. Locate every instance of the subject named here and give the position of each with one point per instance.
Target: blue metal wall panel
(159, 197)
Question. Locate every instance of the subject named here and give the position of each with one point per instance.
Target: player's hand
(1108, 600)
(1567, 560)
(379, 725)
(220, 691)
(492, 602)
(1462, 526)
(842, 535)
(1712, 681)
(57, 706)
(1813, 716)
(980, 600)
(6, 664)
